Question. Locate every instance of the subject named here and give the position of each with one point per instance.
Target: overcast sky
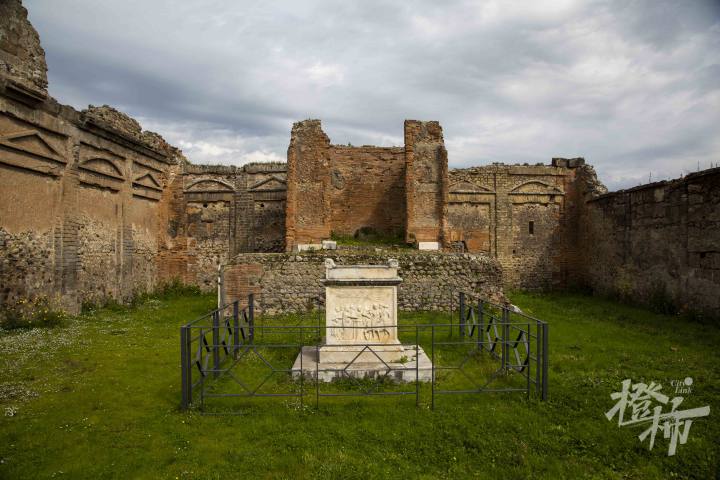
(633, 86)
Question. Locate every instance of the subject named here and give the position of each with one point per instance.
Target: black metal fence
(229, 329)
(517, 340)
(482, 348)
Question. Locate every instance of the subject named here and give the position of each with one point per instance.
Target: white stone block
(428, 245)
(361, 315)
(408, 364)
(308, 247)
(329, 245)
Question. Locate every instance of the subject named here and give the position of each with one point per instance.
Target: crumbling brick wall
(22, 58)
(658, 244)
(218, 211)
(367, 189)
(426, 182)
(341, 189)
(80, 202)
(307, 211)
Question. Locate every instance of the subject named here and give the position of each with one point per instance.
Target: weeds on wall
(171, 289)
(40, 312)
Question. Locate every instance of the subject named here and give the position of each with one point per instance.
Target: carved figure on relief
(349, 321)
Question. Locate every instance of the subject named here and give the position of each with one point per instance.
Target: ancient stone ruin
(93, 207)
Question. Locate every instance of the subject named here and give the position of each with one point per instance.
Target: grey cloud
(632, 86)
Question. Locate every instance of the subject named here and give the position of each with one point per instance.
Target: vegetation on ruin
(165, 290)
(98, 397)
(369, 237)
(39, 312)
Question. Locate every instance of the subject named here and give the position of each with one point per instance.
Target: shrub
(32, 313)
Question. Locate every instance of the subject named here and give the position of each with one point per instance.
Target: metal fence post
(505, 335)
(432, 378)
(452, 312)
(317, 375)
(481, 324)
(538, 355)
(236, 327)
(462, 314)
(216, 343)
(185, 368)
(302, 372)
(545, 362)
(527, 369)
(417, 367)
(251, 315)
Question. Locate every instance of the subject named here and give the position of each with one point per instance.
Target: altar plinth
(361, 332)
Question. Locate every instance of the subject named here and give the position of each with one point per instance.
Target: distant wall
(658, 244)
(367, 189)
(291, 282)
(340, 189)
(524, 215)
(218, 211)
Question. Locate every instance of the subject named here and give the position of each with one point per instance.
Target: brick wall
(367, 189)
(340, 189)
(81, 195)
(426, 182)
(307, 212)
(22, 58)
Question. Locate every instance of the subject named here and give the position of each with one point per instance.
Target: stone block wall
(658, 244)
(292, 282)
(523, 215)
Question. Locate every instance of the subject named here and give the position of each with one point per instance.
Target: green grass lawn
(99, 398)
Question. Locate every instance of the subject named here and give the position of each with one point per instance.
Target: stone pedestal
(361, 334)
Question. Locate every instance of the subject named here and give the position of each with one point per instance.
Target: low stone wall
(291, 282)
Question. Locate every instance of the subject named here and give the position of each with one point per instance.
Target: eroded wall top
(22, 58)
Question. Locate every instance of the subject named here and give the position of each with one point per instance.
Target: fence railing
(521, 338)
(229, 328)
(484, 347)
